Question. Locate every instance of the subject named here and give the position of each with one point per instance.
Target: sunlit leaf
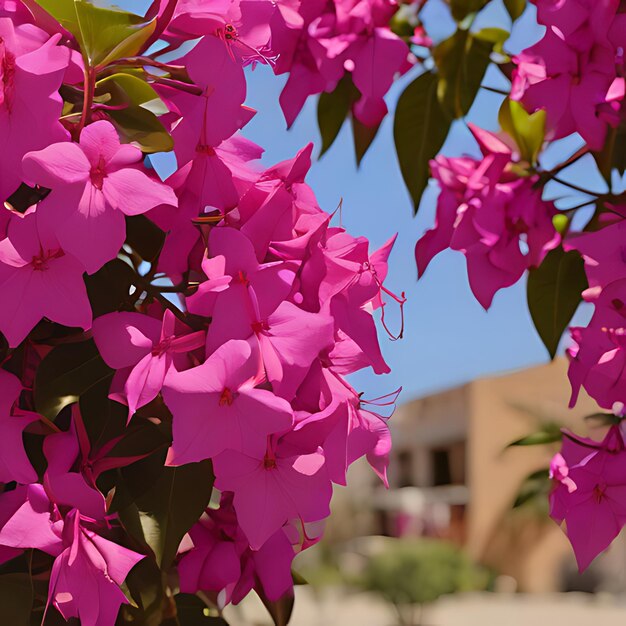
(554, 293)
(420, 129)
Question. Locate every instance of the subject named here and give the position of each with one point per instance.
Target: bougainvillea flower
(14, 462)
(38, 279)
(216, 407)
(223, 92)
(273, 487)
(599, 500)
(86, 577)
(32, 66)
(94, 185)
(482, 211)
(147, 347)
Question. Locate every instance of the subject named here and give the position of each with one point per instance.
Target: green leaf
(515, 8)
(103, 34)
(109, 287)
(130, 89)
(16, 599)
(462, 61)
(462, 8)
(333, 109)
(534, 489)
(144, 237)
(172, 506)
(527, 130)
(137, 121)
(66, 373)
(140, 126)
(104, 419)
(191, 611)
(554, 293)
(604, 419)
(550, 433)
(363, 137)
(420, 129)
(279, 610)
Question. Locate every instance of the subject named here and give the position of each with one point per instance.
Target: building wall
(503, 409)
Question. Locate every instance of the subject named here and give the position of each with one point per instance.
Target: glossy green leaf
(140, 126)
(363, 137)
(104, 419)
(420, 129)
(172, 506)
(515, 8)
(527, 130)
(333, 109)
(554, 293)
(462, 61)
(66, 373)
(16, 599)
(104, 34)
(138, 120)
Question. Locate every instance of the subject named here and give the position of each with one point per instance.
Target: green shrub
(417, 572)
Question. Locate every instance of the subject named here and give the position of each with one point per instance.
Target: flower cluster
(242, 368)
(495, 210)
(491, 214)
(576, 71)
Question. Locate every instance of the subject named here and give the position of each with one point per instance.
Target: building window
(441, 467)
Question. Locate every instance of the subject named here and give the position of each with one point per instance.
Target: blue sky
(449, 339)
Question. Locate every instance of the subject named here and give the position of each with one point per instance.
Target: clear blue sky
(449, 339)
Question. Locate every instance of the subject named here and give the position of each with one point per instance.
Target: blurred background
(462, 536)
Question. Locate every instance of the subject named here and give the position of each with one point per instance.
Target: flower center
(227, 397)
(204, 149)
(598, 492)
(39, 262)
(98, 174)
(7, 75)
(162, 347)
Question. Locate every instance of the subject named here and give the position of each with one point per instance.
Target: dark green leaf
(462, 61)
(462, 8)
(144, 585)
(280, 610)
(515, 8)
(16, 599)
(554, 293)
(363, 138)
(109, 287)
(534, 488)
(66, 373)
(527, 130)
(103, 34)
(604, 419)
(144, 237)
(333, 109)
(104, 419)
(549, 434)
(126, 88)
(140, 126)
(191, 611)
(420, 129)
(173, 506)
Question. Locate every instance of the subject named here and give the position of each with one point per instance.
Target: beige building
(452, 476)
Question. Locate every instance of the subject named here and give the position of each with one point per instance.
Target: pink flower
(143, 349)
(217, 407)
(272, 488)
(32, 66)
(14, 462)
(93, 188)
(487, 212)
(595, 511)
(38, 279)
